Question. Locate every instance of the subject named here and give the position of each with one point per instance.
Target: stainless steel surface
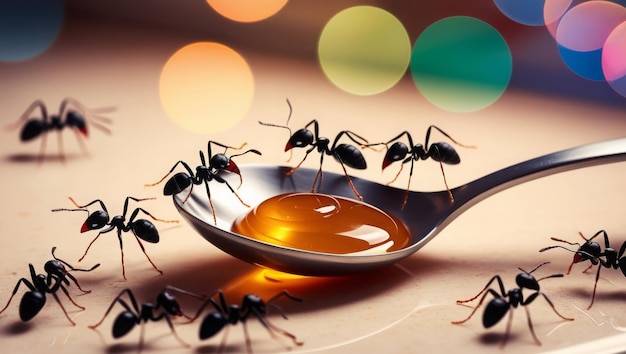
(425, 214)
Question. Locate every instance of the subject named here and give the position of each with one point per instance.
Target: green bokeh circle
(461, 64)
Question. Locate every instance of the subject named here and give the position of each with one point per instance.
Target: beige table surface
(407, 307)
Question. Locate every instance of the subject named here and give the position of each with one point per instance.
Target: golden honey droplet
(322, 223)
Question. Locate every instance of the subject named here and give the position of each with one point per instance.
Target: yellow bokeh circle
(206, 87)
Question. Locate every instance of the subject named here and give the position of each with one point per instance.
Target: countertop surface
(405, 307)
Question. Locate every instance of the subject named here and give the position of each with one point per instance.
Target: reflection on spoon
(434, 208)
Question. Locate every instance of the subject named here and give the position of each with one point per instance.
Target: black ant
(205, 174)
(57, 277)
(251, 305)
(141, 228)
(441, 152)
(345, 154)
(499, 306)
(166, 307)
(592, 252)
(71, 114)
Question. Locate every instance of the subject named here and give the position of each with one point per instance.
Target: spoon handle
(599, 153)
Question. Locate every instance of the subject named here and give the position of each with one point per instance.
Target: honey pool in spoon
(323, 223)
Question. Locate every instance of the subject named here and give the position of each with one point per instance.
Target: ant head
(169, 303)
(396, 152)
(223, 162)
(96, 220)
(526, 281)
(76, 120)
(55, 267)
(588, 250)
(254, 301)
(301, 138)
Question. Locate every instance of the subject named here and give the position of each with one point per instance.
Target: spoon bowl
(425, 214)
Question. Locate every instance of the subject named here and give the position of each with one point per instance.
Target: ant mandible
(205, 174)
(141, 228)
(441, 152)
(499, 306)
(72, 114)
(251, 305)
(592, 252)
(134, 314)
(345, 154)
(56, 277)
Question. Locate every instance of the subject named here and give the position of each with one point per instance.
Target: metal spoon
(425, 214)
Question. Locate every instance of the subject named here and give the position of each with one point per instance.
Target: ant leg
(446, 135)
(221, 180)
(494, 278)
(508, 329)
(70, 276)
(89, 246)
(69, 297)
(136, 211)
(223, 341)
(595, 285)
(30, 286)
(60, 146)
(530, 326)
(81, 142)
(345, 172)
(272, 328)
(63, 308)
(119, 237)
(171, 325)
(42, 148)
(149, 260)
(247, 336)
(293, 169)
(408, 185)
(185, 165)
(208, 194)
(118, 299)
(482, 299)
(88, 204)
(554, 309)
(445, 182)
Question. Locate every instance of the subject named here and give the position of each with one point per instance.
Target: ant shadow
(36, 158)
(18, 327)
(496, 338)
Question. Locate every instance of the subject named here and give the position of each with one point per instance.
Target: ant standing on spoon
(345, 154)
(499, 305)
(205, 174)
(72, 115)
(56, 278)
(441, 152)
(592, 251)
(141, 228)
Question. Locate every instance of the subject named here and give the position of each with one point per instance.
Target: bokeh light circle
(553, 11)
(526, 12)
(247, 10)
(28, 27)
(461, 64)
(206, 87)
(614, 59)
(364, 50)
(586, 26)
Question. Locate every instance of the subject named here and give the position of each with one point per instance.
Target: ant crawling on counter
(592, 251)
(72, 115)
(499, 305)
(441, 152)
(57, 277)
(165, 308)
(251, 305)
(205, 173)
(345, 154)
(141, 228)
